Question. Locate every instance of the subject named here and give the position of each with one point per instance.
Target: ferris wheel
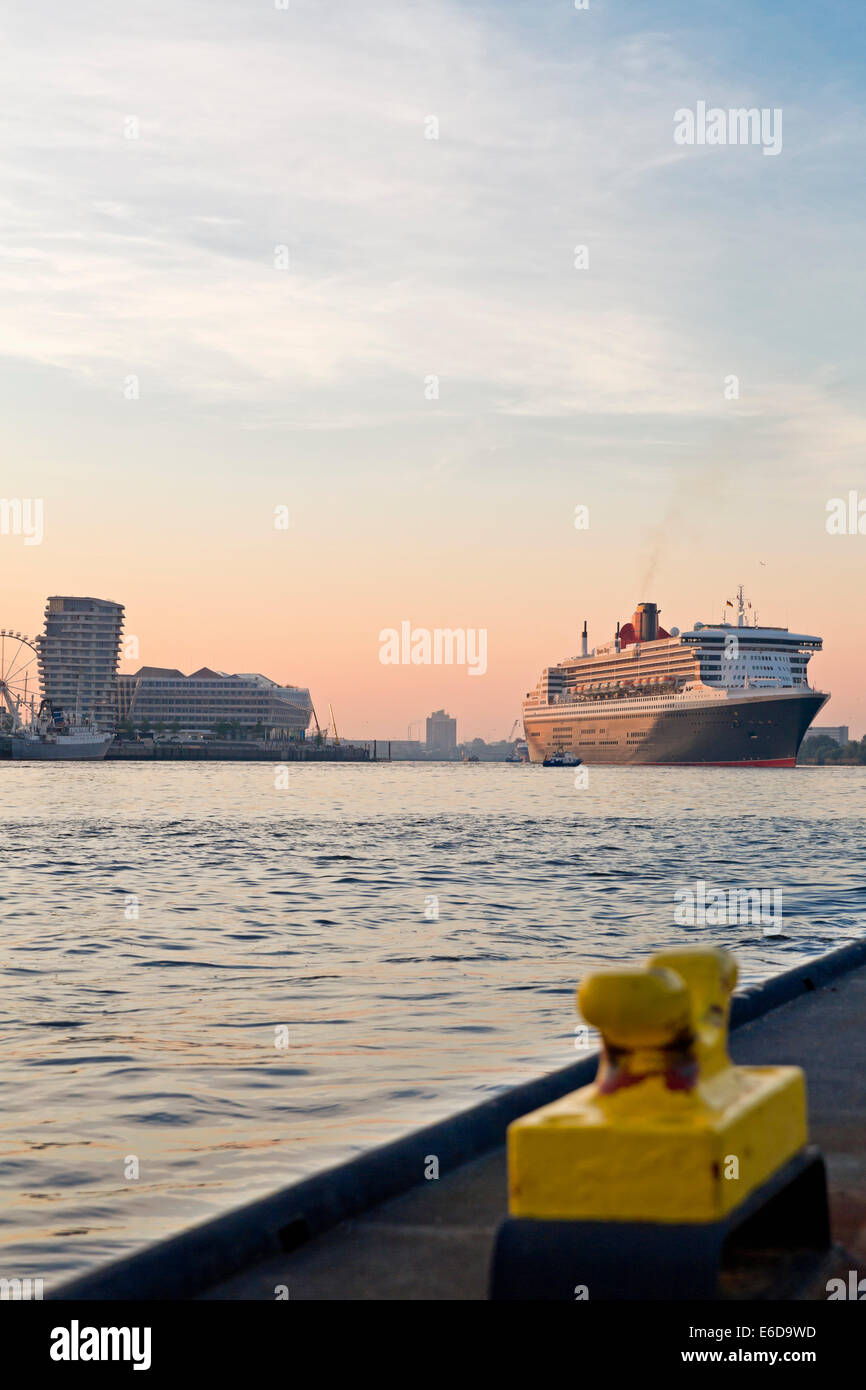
(19, 676)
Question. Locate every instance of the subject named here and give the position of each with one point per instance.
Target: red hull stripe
(750, 762)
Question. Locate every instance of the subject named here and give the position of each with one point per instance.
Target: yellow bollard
(671, 1133)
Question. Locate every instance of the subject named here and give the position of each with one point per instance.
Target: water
(153, 1037)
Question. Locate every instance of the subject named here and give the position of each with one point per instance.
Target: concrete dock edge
(183, 1266)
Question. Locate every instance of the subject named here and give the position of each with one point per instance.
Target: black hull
(758, 731)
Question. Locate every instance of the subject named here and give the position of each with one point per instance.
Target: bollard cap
(710, 974)
(636, 1008)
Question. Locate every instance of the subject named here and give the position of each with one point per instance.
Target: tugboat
(562, 760)
(519, 748)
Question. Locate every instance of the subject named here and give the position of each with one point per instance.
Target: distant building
(78, 653)
(441, 733)
(838, 733)
(162, 695)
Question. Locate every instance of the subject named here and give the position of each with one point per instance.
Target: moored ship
(718, 695)
(51, 737)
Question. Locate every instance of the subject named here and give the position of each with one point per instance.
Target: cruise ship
(725, 694)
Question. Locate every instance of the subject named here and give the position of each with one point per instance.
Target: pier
(239, 751)
(383, 1226)
(223, 751)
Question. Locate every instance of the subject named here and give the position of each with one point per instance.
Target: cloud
(305, 128)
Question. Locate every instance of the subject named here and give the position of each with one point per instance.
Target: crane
(334, 726)
(319, 738)
(515, 730)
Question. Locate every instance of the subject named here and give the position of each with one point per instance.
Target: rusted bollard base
(572, 1260)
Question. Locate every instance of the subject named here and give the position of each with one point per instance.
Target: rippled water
(303, 908)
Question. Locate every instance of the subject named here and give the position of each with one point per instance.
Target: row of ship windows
(708, 665)
(631, 740)
(155, 708)
(561, 732)
(208, 704)
(564, 675)
(606, 673)
(656, 703)
(616, 668)
(781, 644)
(197, 686)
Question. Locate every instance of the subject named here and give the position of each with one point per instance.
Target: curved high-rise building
(78, 654)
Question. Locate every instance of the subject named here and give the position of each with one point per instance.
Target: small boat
(562, 760)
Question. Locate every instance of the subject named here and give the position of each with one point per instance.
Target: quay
(380, 1227)
(225, 750)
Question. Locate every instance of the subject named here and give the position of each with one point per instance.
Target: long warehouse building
(205, 699)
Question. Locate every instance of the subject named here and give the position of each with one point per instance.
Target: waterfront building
(441, 733)
(206, 700)
(838, 733)
(78, 653)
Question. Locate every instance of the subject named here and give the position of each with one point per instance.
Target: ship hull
(755, 731)
(33, 750)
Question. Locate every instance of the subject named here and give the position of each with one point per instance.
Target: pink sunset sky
(225, 297)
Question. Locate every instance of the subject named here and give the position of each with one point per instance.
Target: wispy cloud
(152, 167)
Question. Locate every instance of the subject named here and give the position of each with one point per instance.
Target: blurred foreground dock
(378, 1228)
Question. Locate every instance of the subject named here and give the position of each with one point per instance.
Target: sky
(322, 258)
